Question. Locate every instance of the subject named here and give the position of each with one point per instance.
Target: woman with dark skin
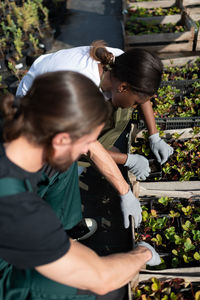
(131, 79)
(128, 78)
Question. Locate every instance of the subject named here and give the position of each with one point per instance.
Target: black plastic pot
(156, 169)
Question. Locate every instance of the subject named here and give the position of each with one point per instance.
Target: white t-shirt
(74, 59)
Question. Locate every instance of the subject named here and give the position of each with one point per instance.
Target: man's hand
(130, 205)
(161, 150)
(138, 165)
(155, 260)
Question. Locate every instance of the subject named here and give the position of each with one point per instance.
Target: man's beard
(60, 164)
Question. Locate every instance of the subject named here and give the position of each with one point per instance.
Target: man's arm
(130, 205)
(107, 166)
(84, 269)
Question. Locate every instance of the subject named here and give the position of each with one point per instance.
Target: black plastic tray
(184, 86)
(173, 123)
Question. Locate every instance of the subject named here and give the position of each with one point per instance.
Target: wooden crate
(164, 42)
(186, 3)
(194, 13)
(158, 189)
(190, 274)
(197, 48)
(152, 4)
(149, 4)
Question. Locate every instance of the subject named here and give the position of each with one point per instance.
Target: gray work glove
(130, 205)
(161, 150)
(155, 260)
(138, 165)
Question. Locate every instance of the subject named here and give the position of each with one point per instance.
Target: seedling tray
(160, 214)
(166, 288)
(183, 164)
(173, 123)
(164, 42)
(180, 84)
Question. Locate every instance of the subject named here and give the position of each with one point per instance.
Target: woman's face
(123, 97)
(126, 99)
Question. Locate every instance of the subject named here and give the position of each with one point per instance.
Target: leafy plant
(177, 233)
(183, 164)
(18, 42)
(141, 27)
(149, 12)
(170, 289)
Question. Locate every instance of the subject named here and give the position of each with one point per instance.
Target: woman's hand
(160, 148)
(138, 165)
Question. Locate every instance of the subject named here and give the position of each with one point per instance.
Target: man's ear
(61, 139)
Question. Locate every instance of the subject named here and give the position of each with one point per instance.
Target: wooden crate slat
(160, 37)
(198, 41)
(153, 4)
(193, 278)
(194, 13)
(179, 61)
(160, 19)
(190, 2)
(167, 48)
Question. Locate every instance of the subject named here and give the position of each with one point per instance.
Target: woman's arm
(82, 268)
(158, 146)
(148, 114)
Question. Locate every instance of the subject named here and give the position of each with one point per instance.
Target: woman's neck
(24, 154)
(104, 79)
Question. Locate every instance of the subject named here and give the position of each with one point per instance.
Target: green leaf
(145, 216)
(188, 246)
(186, 258)
(197, 295)
(164, 200)
(156, 285)
(178, 239)
(173, 296)
(175, 252)
(196, 256)
(165, 298)
(157, 239)
(187, 210)
(175, 262)
(174, 214)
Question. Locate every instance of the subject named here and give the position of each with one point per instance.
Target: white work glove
(161, 150)
(138, 165)
(130, 205)
(155, 260)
